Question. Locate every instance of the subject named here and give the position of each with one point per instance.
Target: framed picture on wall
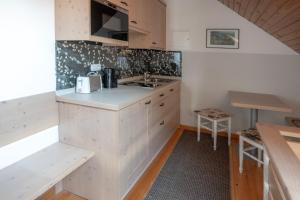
(222, 38)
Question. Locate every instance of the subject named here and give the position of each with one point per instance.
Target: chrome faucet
(146, 76)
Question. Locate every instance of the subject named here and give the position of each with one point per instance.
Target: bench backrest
(20, 118)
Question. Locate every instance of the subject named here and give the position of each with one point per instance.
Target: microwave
(108, 20)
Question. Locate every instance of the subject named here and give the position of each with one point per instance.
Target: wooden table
(256, 102)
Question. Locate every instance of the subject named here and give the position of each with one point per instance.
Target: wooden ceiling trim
(291, 36)
(285, 22)
(252, 6)
(286, 10)
(243, 8)
(230, 4)
(273, 7)
(237, 5)
(293, 42)
(262, 6)
(289, 30)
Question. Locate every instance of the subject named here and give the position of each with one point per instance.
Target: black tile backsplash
(75, 57)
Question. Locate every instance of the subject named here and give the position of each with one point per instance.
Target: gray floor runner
(194, 171)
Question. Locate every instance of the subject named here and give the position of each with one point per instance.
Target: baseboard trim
(205, 131)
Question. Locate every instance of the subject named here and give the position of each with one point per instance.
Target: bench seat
(34, 175)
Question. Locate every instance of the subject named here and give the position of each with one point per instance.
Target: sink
(157, 80)
(293, 140)
(150, 83)
(142, 84)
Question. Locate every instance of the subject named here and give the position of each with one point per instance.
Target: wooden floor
(248, 186)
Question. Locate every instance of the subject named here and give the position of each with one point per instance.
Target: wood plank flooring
(247, 186)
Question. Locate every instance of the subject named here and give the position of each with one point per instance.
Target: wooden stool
(214, 120)
(252, 138)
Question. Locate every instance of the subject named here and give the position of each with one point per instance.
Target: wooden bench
(34, 175)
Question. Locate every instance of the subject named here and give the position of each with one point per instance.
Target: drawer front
(164, 106)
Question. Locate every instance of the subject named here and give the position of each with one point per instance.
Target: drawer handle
(172, 90)
(161, 105)
(154, 43)
(124, 3)
(148, 102)
(162, 123)
(161, 95)
(134, 22)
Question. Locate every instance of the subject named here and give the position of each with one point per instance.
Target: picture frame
(223, 38)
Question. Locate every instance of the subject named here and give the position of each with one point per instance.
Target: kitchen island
(282, 164)
(126, 127)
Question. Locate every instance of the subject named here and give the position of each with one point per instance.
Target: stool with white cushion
(249, 142)
(214, 120)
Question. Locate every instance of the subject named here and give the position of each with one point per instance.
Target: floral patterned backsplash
(74, 58)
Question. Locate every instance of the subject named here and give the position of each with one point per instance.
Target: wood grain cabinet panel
(121, 3)
(151, 17)
(73, 22)
(125, 142)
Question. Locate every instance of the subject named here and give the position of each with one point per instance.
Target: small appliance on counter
(110, 79)
(88, 84)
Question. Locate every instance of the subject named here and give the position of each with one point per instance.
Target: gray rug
(194, 171)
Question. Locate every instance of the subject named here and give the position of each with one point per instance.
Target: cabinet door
(121, 3)
(138, 18)
(157, 25)
(133, 142)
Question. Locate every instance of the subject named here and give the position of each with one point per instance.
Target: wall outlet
(96, 67)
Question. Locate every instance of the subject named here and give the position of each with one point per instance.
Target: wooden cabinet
(125, 142)
(121, 3)
(154, 14)
(157, 25)
(138, 21)
(73, 22)
(133, 142)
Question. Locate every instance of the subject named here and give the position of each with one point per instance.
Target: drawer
(165, 92)
(161, 108)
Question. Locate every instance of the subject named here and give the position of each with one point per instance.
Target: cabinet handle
(161, 95)
(161, 105)
(171, 90)
(162, 123)
(148, 102)
(134, 22)
(154, 43)
(124, 3)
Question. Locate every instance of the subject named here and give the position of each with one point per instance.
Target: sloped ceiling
(280, 18)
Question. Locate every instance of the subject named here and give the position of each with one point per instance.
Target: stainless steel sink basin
(142, 84)
(149, 83)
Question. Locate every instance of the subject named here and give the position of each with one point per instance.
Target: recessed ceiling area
(280, 18)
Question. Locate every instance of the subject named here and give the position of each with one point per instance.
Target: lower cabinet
(125, 142)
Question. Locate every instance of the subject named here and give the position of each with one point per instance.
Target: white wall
(27, 48)
(191, 18)
(262, 64)
(27, 66)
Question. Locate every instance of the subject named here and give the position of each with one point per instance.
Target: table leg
(253, 117)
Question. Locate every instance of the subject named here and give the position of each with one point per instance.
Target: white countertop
(111, 99)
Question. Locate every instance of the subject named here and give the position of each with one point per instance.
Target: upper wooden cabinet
(121, 3)
(150, 16)
(138, 18)
(73, 22)
(157, 37)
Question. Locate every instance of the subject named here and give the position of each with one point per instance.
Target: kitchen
(112, 92)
